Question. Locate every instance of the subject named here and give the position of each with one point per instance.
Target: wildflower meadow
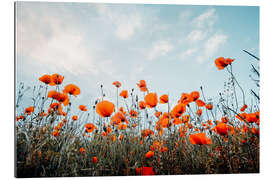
(192, 136)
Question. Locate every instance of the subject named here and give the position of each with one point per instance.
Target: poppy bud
(101, 86)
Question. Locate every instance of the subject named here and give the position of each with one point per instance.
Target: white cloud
(212, 45)
(126, 23)
(185, 15)
(206, 19)
(196, 35)
(160, 48)
(187, 53)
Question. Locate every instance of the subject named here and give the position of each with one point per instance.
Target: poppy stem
(204, 101)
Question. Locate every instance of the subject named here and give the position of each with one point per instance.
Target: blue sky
(172, 47)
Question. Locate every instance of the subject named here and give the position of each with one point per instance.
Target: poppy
(164, 120)
(105, 108)
(255, 131)
(124, 94)
(151, 100)
(142, 105)
(64, 120)
(209, 106)
(224, 119)
(56, 79)
(163, 99)
(164, 149)
(95, 160)
(182, 131)
(145, 171)
(122, 126)
(63, 98)
(221, 62)
(90, 127)
(117, 84)
(72, 89)
(185, 98)
(157, 114)
(29, 110)
(199, 138)
(46, 79)
(243, 108)
(200, 103)
(118, 118)
(147, 132)
(142, 84)
(149, 154)
(199, 112)
(209, 122)
(82, 150)
(177, 121)
(75, 117)
(222, 129)
(133, 113)
(82, 108)
(185, 118)
(195, 95)
(56, 133)
(178, 110)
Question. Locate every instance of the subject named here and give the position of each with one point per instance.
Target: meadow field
(191, 136)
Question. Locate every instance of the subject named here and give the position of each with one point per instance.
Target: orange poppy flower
(82, 108)
(195, 95)
(29, 110)
(199, 112)
(222, 129)
(142, 105)
(182, 131)
(209, 106)
(178, 110)
(124, 94)
(82, 150)
(75, 117)
(165, 120)
(255, 131)
(64, 120)
(185, 98)
(90, 127)
(117, 84)
(142, 84)
(163, 99)
(185, 118)
(118, 118)
(147, 132)
(122, 126)
(177, 121)
(149, 154)
(133, 113)
(243, 108)
(157, 114)
(95, 160)
(72, 89)
(190, 126)
(56, 133)
(56, 79)
(151, 100)
(46, 79)
(105, 108)
(145, 171)
(209, 122)
(63, 98)
(164, 149)
(200, 103)
(224, 119)
(199, 138)
(221, 62)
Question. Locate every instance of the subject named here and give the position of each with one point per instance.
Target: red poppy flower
(142, 105)
(75, 117)
(29, 110)
(185, 98)
(209, 106)
(90, 127)
(151, 100)
(82, 108)
(194, 95)
(149, 154)
(46, 79)
(124, 94)
(56, 79)
(221, 62)
(95, 160)
(163, 99)
(117, 84)
(243, 108)
(133, 113)
(145, 171)
(199, 139)
(82, 150)
(72, 89)
(200, 103)
(105, 108)
(178, 110)
(118, 118)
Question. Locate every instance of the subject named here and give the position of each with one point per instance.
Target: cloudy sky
(172, 47)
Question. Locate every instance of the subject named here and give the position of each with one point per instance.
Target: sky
(172, 47)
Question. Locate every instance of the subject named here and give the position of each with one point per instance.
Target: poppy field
(192, 136)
